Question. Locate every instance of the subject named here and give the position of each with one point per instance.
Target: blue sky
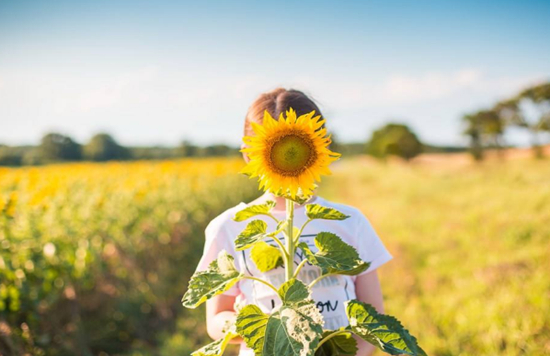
(161, 71)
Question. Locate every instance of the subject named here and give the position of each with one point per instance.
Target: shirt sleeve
(370, 247)
(217, 238)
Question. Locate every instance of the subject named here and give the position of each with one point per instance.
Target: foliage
(294, 329)
(254, 210)
(341, 344)
(57, 147)
(515, 111)
(381, 330)
(316, 211)
(93, 257)
(486, 129)
(103, 147)
(394, 139)
(220, 276)
(470, 273)
(431, 218)
(334, 256)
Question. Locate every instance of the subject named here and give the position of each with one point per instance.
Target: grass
(472, 250)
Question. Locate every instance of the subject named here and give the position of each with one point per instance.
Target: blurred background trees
(58, 147)
(394, 139)
(528, 110)
(102, 147)
(486, 128)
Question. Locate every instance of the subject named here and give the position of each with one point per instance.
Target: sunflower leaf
(265, 256)
(220, 275)
(281, 226)
(316, 211)
(293, 330)
(334, 256)
(383, 331)
(217, 347)
(293, 291)
(251, 324)
(255, 231)
(254, 210)
(342, 344)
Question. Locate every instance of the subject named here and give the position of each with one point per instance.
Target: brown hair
(276, 102)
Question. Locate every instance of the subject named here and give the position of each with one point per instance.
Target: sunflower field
(94, 258)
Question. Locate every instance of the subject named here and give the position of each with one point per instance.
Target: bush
(394, 139)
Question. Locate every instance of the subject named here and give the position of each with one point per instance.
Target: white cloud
(401, 90)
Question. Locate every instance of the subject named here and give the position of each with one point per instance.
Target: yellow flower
(289, 155)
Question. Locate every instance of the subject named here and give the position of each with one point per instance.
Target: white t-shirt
(329, 293)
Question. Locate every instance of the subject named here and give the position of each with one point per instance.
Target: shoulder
(224, 221)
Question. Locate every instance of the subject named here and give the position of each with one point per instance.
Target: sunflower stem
(330, 336)
(290, 248)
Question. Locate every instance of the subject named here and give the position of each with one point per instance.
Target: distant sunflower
(289, 155)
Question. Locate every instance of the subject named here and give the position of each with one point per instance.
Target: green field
(471, 245)
(471, 274)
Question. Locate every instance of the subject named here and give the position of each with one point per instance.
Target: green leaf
(293, 330)
(293, 291)
(342, 344)
(254, 210)
(383, 331)
(220, 275)
(265, 256)
(334, 255)
(217, 347)
(255, 231)
(316, 211)
(251, 324)
(281, 226)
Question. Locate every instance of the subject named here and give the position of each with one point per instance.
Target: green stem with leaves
(330, 336)
(319, 278)
(263, 282)
(290, 246)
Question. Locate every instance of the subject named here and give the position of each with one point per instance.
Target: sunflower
(289, 155)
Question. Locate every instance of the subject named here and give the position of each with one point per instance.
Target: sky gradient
(160, 72)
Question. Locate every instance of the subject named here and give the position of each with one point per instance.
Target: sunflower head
(289, 155)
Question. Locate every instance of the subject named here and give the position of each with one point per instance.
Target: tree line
(529, 110)
(56, 147)
(391, 139)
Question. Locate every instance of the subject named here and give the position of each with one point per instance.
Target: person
(329, 293)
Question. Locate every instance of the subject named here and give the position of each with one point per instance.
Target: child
(331, 292)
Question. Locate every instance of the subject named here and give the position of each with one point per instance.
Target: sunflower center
(292, 154)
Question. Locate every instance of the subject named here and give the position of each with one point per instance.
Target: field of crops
(471, 274)
(94, 258)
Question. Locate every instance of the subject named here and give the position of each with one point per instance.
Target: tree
(103, 147)
(9, 156)
(57, 147)
(530, 110)
(187, 149)
(394, 139)
(485, 128)
(474, 130)
(219, 150)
